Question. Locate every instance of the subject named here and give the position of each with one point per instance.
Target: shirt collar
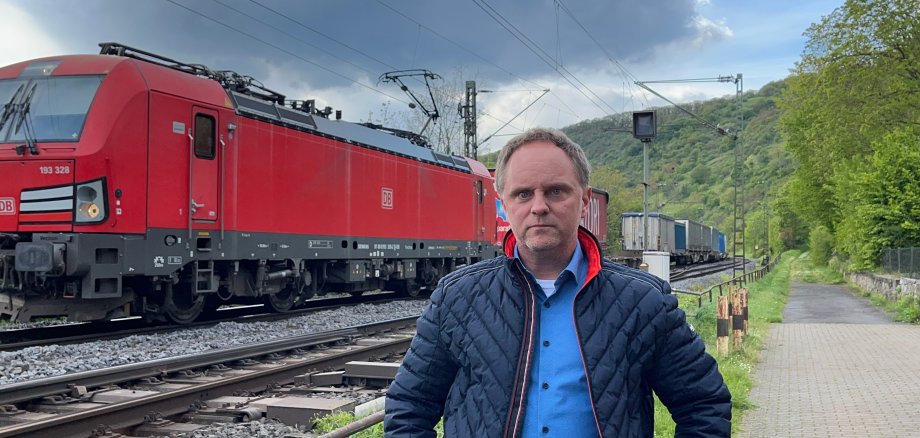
(578, 265)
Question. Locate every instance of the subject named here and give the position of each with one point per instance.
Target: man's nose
(538, 206)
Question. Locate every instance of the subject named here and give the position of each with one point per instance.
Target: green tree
(623, 197)
(820, 245)
(883, 198)
(858, 79)
(789, 229)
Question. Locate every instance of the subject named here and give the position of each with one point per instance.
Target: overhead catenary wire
(612, 60)
(485, 114)
(296, 37)
(515, 116)
(697, 117)
(288, 52)
(324, 35)
(540, 53)
(356, 50)
(477, 55)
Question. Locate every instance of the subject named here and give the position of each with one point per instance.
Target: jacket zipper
(514, 418)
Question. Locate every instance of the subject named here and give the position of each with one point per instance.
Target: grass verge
(342, 419)
(766, 299)
(803, 270)
(906, 309)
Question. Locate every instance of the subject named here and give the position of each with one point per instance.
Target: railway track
(62, 334)
(125, 396)
(701, 270)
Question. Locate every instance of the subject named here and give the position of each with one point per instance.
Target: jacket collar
(591, 249)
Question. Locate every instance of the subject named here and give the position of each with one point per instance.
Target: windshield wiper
(24, 116)
(8, 108)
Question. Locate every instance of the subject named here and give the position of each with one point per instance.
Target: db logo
(386, 198)
(7, 206)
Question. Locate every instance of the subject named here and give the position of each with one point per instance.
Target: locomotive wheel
(409, 288)
(282, 301)
(180, 304)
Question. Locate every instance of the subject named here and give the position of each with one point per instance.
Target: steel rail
(700, 271)
(64, 384)
(131, 413)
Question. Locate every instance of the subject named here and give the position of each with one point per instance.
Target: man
(553, 340)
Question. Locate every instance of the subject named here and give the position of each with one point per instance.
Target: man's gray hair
(554, 136)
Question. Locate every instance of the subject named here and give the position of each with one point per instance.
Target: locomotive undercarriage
(87, 278)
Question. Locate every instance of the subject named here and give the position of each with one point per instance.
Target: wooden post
(722, 325)
(737, 320)
(744, 309)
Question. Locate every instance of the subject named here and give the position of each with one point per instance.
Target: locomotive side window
(204, 136)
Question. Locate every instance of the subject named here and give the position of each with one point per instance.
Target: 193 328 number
(54, 170)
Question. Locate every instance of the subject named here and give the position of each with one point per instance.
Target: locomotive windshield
(51, 108)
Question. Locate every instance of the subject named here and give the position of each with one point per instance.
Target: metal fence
(905, 261)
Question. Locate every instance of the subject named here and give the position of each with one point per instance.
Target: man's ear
(585, 199)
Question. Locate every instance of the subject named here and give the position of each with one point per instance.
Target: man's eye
(524, 195)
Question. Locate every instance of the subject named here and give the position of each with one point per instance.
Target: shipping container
(660, 232)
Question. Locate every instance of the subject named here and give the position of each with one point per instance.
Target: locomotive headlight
(90, 202)
(89, 209)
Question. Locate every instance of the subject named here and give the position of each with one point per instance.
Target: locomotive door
(204, 165)
(480, 211)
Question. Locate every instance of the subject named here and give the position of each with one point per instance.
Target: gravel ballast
(705, 282)
(55, 360)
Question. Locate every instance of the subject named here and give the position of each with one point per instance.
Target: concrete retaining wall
(892, 288)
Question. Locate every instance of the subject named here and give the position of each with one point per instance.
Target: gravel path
(39, 362)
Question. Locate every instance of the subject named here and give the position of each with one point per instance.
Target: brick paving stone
(845, 370)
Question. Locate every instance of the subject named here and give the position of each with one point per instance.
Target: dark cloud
(629, 30)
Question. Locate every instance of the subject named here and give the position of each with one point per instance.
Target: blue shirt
(558, 401)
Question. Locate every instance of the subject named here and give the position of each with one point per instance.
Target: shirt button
(545, 429)
(546, 304)
(545, 385)
(546, 343)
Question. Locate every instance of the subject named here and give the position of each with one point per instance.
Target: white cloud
(709, 31)
(22, 37)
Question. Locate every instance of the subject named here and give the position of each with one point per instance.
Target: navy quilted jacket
(469, 359)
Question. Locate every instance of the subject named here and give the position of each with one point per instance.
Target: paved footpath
(836, 367)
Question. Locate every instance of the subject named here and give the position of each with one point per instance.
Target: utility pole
(468, 114)
(645, 127)
(737, 173)
(766, 220)
(738, 222)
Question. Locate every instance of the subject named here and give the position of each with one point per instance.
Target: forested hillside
(690, 164)
(831, 154)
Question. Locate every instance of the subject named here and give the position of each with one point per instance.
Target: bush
(908, 309)
(820, 245)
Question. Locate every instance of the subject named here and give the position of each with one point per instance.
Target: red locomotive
(133, 184)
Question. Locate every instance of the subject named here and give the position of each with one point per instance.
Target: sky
(589, 54)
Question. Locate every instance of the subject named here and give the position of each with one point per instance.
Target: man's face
(544, 200)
